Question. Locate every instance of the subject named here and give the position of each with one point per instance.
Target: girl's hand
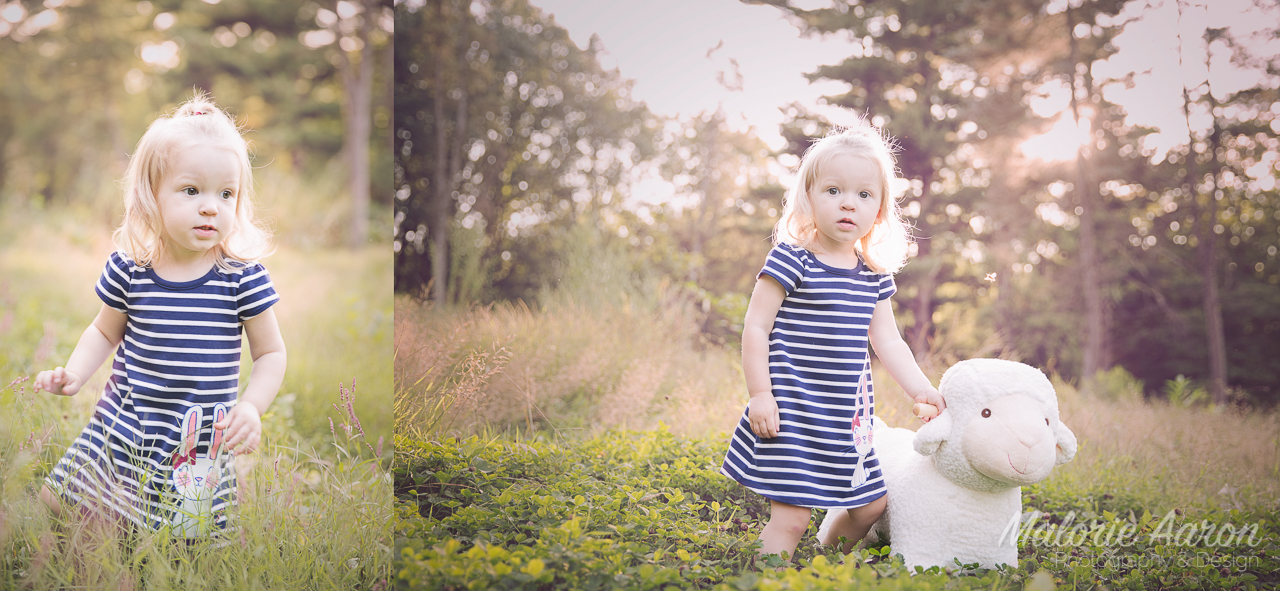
(932, 397)
(59, 381)
(763, 414)
(243, 428)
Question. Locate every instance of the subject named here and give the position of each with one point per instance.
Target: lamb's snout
(1012, 440)
(1028, 432)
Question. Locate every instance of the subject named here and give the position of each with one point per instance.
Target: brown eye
(986, 413)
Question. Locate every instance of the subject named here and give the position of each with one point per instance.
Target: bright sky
(1150, 45)
(664, 44)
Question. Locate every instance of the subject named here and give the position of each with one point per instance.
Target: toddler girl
(823, 296)
(159, 449)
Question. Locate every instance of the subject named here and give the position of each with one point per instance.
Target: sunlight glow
(317, 39)
(347, 9)
(13, 13)
(164, 20)
(1060, 143)
(161, 55)
(1051, 213)
(43, 20)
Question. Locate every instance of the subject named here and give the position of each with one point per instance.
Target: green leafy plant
(1184, 393)
(649, 510)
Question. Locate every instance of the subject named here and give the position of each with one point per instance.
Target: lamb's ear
(933, 434)
(1066, 444)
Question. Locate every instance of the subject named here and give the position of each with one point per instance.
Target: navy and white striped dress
(181, 350)
(818, 349)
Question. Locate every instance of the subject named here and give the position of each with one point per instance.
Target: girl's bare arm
(243, 424)
(766, 299)
(897, 358)
(95, 345)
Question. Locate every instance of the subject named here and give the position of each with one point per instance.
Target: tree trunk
(1207, 257)
(707, 212)
(357, 86)
(441, 212)
(922, 329)
(1208, 254)
(1094, 356)
(1206, 215)
(923, 307)
(449, 154)
(459, 129)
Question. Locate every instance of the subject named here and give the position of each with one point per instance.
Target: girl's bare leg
(51, 500)
(854, 524)
(787, 523)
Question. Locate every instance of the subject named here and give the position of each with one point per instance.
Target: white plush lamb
(955, 485)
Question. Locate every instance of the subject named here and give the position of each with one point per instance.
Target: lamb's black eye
(986, 413)
(1046, 421)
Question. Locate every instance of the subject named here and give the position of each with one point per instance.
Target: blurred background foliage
(523, 175)
(310, 81)
(84, 79)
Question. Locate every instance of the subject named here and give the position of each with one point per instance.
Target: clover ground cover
(649, 510)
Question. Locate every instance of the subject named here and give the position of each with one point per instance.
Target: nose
(208, 207)
(1028, 434)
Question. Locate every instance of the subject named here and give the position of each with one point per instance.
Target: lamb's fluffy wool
(955, 485)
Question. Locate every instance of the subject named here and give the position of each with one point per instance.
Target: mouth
(845, 223)
(1015, 468)
(205, 230)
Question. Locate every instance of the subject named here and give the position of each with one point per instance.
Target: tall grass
(1172, 456)
(576, 368)
(308, 518)
(570, 368)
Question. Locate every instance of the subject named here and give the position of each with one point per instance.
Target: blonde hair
(140, 234)
(884, 249)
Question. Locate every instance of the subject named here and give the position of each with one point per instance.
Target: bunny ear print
(186, 451)
(219, 413)
(190, 430)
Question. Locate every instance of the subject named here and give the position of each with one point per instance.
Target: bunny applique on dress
(199, 479)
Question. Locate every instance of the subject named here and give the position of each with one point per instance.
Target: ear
(190, 430)
(1066, 444)
(933, 434)
(219, 412)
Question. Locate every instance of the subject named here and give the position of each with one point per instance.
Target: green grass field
(315, 499)
(552, 449)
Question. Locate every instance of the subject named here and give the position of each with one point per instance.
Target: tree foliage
(524, 168)
(506, 134)
(84, 79)
(954, 83)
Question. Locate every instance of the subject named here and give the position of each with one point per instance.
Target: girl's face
(197, 200)
(846, 199)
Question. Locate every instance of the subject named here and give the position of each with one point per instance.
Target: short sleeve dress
(179, 362)
(818, 353)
